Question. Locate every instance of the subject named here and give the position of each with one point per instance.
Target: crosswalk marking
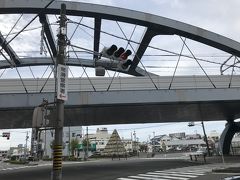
(147, 178)
(178, 175)
(185, 173)
(163, 176)
(125, 179)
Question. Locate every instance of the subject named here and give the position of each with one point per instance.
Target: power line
(28, 23)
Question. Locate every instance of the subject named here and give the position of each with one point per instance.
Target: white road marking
(164, 176)
(179, 175)
(147, 178)
(125, 179)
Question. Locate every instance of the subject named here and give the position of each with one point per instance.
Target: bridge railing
(120, 83)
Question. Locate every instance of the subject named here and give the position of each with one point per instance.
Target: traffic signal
(125, 55)
(118, 52)
(111, 50)
(114, 58)
(115, 53)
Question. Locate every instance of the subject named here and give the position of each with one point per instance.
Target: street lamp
(190, 124)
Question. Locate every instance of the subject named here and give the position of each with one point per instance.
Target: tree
(85, 143)
(143, 148)
(74, 145)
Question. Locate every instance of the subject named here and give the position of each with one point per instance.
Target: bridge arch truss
(153, 26)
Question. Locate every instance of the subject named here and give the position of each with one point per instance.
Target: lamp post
(190, 124)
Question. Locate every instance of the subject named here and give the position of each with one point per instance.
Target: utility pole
(154, 141)
(134, 136)
(45, 131)
(87, 144)
(57, 148)
(25, 149)
(205, 138)
(190, 124)
(69, 142)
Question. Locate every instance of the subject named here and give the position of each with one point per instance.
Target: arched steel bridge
(154, 25)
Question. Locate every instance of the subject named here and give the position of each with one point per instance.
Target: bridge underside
(129, 113)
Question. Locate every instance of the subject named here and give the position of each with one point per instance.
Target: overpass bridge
(128, 100)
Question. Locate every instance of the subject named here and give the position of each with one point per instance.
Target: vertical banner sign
(62, 82)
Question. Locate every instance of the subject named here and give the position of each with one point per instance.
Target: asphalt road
(111, 170)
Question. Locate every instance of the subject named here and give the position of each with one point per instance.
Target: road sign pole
(57, 148)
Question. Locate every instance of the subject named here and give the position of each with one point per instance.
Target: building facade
(42, 141)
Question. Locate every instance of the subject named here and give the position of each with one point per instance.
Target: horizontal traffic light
(115, 53)
(111, 50)
(126, 64)
(125, 55)
(118, 52)
(112, 58)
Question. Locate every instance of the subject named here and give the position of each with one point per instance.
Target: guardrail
(196, 155)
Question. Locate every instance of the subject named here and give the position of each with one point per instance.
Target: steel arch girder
(158, 24)
(226, 137)
(39, 61)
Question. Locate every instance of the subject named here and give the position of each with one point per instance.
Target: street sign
(62, 82)
(6, 134)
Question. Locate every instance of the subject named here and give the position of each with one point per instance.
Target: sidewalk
(227, 164)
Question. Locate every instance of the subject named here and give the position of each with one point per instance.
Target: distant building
(189, 144)
(193, 136)
(18, 152)
(180, 135)
(236, 144)
(177, 141)
(100, 138)
(42, 140)
(214, 136)
(129, 144)
(3, 154)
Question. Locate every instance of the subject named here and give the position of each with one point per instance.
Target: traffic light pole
(57, 148)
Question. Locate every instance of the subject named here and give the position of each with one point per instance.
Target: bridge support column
(226, 137)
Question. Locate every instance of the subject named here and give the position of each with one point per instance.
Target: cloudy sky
(219, 16)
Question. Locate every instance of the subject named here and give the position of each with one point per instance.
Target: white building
(100, 138)
(130, 145)
(42, 145)
(214, 135)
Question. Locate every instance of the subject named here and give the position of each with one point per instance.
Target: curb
(227, 170)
